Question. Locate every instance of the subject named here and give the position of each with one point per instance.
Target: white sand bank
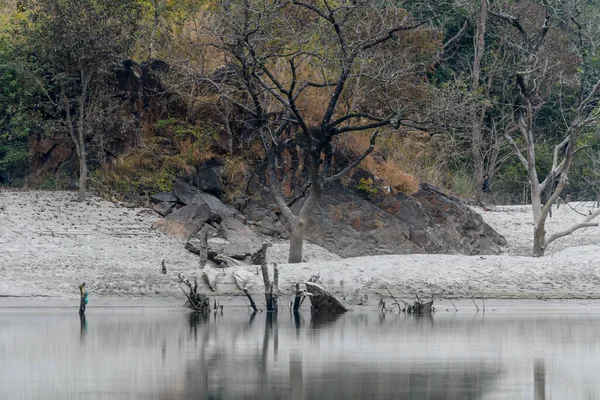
(49, 243)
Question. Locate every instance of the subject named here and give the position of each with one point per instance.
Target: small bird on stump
(163, 268)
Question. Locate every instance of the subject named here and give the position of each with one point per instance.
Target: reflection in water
(82, 327)
(179, 355)
(539, 380)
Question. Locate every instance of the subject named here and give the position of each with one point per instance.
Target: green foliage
(367, 186)
(16, 95)
(178, 149)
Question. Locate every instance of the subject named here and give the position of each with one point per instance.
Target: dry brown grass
(389, 171)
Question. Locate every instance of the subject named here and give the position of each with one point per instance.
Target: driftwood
(419, 307)
(196, 301)
(271, 288)
(322, 301)
(241, 284)
(301, 294)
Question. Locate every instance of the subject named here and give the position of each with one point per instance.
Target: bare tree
(537, 69)
(285, 56)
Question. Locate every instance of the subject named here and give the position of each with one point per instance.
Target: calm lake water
(162, 353)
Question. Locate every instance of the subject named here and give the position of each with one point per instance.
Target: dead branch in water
(419, 307)
(241, 284)
(197, 301)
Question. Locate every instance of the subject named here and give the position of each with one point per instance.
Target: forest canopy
(143, 91)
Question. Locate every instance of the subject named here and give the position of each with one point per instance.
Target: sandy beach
(49, 243)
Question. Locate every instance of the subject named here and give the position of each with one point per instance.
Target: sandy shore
(49, 243)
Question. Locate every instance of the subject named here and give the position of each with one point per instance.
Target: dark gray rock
(164, 208)
(442, 224)
(184, 222)
(235, 231)
(163, 197)
(322, 301)
(207, 180)
(207, 177)
(350, 225)
(220, 246)
(262, 218)
(187, 194)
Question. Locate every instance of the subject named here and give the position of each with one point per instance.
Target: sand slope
(49, 243)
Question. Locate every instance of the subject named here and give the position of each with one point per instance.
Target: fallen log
(322, 301)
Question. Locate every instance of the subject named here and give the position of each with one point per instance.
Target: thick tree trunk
(297, 242)
(539, 239)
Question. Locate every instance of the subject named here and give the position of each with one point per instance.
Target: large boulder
(349, 224)
(164, 208)
(442, 224)
(188, 194)
(164, 197)
(235, 231)
(207, 177)
(184, 222)
(264, 220)
(233, 239)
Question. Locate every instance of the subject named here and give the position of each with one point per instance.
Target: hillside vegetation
(132, 94)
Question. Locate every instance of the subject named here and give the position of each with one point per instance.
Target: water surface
(163, 353)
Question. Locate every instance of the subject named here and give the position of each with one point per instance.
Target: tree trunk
(82, 169)
(539, 220)
(297, 242)
(539, 238)
(81, 115)
(476, 117)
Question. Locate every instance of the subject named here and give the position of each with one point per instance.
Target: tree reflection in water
(317, 361)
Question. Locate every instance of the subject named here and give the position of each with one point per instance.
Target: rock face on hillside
(351, 225)
(347, 222)
(206, 225)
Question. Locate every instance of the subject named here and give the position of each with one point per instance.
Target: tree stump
(83, 298)
(271, 288)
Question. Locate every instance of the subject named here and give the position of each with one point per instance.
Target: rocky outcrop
(181, 224)
(210, 228)
(439, 223)
(188, 194)
(52, 154)
(349, 224)
(207, 177)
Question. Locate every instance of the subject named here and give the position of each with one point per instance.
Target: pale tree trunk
(82, 169)
(78, 141)
(297, 242)
(477, 117)
(81, 135)
(298, 227)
